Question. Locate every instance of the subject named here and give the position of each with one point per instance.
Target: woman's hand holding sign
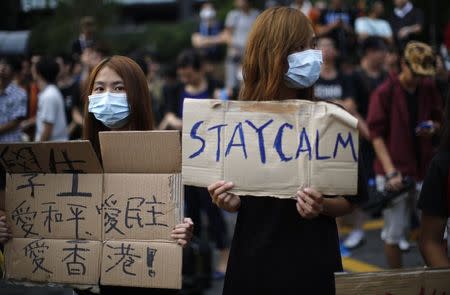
(222, 198)
(309, 203)
(183, 232)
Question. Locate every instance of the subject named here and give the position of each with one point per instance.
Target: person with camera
(404, 114)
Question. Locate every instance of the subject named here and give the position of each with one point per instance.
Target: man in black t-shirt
(434, 202)
(332, 85)
(406, 22)
(337, 23)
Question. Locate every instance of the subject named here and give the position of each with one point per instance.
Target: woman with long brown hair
(283, 246)
(119, 100)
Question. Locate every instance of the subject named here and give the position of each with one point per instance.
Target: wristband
(392, 175)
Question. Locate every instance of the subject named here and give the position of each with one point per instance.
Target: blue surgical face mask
(111, 109)
(304, 68)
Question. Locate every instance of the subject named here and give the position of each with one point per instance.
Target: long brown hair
(138, 94)
(277, 32)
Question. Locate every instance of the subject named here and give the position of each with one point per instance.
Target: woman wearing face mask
(119, 99)
(283, 246)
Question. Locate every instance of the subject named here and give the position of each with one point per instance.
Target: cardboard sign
(141, 264)
(418, 281)
(270, 148)
(65, 212)
(53, 260)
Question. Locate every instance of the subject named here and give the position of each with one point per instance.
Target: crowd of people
(377, 68)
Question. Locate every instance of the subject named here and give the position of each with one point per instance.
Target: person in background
(13, 101)
(337, 23)
(90, 58)
(332, 85)
(207, 39)
(407, 23)
(391, 63)
(238, 23)
(373, 24)
(51, 122)
(70, 90)
(365, 79)
(304, 6)
(283, 246)
(86, 38)
(442, 77)
(434, 201)
(193, 84)
(13, 109)
(404, 113)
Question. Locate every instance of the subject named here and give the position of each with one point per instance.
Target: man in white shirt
(51, 124)
(373, 24)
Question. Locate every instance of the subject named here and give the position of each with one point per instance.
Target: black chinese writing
(151, 253)
(111, 215)
(24, 217)
(74, 191)
(133, 212)
(154, 213)
(74, 260)
(52, 215)
(123, 255)
(77, 211)
(23, 158)
(36, 251)
(30, 184)
(66, 161)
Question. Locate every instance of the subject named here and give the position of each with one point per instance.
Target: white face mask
(111, 109)
(304, 68)
(207, 13)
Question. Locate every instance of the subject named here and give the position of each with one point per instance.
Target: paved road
(369, 257)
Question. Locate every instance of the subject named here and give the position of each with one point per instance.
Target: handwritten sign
(270, 148)
(416, 281)
(68, 217)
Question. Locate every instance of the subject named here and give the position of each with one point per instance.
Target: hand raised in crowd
(309, 203)
(183, 232)
(5, 232)
(222, 198)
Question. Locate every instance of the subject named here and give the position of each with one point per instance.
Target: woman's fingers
(215, 186)
(224, 188)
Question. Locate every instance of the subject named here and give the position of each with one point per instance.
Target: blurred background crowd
(194, 49)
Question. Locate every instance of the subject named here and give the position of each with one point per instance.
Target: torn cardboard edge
(49, 157)
(204, 152)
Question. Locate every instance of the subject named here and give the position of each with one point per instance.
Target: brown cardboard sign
(141, 151)
(49, 157)
(270, 148)
(416, 281)
(58, 206)
(141, 264)
(48, 260)
(141, 206)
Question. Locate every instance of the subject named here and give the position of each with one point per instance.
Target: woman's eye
(119, 88)
(98, 89)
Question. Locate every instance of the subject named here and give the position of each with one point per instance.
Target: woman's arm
(431, 244)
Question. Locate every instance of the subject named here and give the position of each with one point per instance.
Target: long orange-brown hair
(138, 94)
(277, 32)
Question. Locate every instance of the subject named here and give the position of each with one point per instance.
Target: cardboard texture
(49, 260)
(64, 211)
(141, 152)
(418, 281)
(270, 148)
(141, 264)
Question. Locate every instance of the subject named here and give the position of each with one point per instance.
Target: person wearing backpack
(404, 114)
